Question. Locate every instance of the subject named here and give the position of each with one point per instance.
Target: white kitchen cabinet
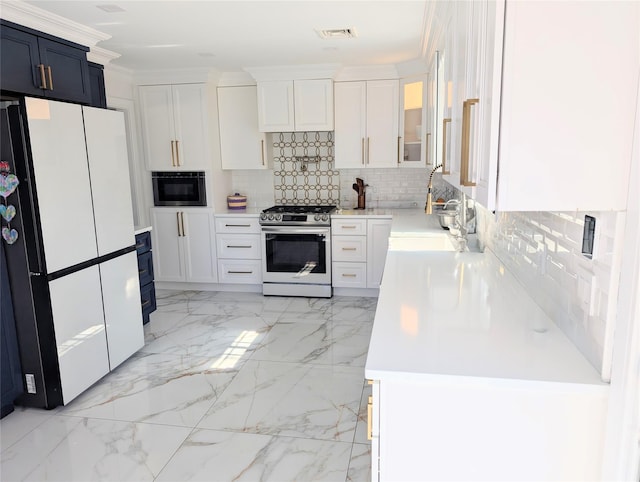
(184, 245)
(295, 105)
(443, 430)
(358, 250)
(412, 125)
(553, 121)
(239, 249)
(378, 231)
(242, 145)
(175, 126)
(366, 124)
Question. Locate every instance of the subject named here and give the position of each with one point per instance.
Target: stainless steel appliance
(296, 251)
(184, 188)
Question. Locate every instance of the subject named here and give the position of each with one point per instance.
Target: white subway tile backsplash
(544, 252)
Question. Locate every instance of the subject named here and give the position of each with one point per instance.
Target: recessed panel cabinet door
(157, 126)
(191, 126)
(382, 123)
(350, 124)
(168, 262)
(199, 246)
(18, 62)
(67, 71)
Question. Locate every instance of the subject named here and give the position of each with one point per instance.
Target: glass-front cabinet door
(412, 140)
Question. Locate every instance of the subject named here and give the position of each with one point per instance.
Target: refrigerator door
(109, 172)
(122, 314)
(61, 172)
(78, 319)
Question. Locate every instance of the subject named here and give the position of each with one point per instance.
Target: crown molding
(368, 72)
(33, 17)
(293, 72)
(186, 76)
(101, 56)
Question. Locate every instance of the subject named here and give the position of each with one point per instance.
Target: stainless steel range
(296, 251)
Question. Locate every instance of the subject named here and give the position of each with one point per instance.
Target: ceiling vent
(337, 33)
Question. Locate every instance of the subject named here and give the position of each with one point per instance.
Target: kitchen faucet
(428, 208)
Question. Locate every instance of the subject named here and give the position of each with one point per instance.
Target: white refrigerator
(73, 265)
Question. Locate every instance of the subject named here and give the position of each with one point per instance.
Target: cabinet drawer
(238, 225)
(143, 242)
(349, 248)
(348, 226)
(349, 275)
(145, 268)
(243, 271)
(148, 301)
(238, 246)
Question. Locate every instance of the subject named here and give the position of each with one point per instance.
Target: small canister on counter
(237, 201)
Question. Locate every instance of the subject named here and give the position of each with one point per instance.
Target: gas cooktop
(296, 215)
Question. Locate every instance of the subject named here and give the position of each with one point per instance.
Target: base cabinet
(486, 430)
(239, 249)
(184, 245)
(359, 250)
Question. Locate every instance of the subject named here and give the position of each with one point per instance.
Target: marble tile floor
(228, 387)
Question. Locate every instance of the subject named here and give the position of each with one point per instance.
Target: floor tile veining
(229, 386)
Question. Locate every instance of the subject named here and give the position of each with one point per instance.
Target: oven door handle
(294, 230)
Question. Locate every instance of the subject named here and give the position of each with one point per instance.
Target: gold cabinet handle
(368, 159)
(182, 223)
(50, 77)
(348, 249)
(348, 227)
(262, 150)
(444, 146)
(466, 141)
(399, 139)
(178, 220)
(173, 158)
(370, 418)
(362, 151)
(348, 275)
(43, 80)
(178, 153)
(427, 142)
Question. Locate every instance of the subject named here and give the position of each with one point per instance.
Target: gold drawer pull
(348, 227)
(348, 275)
(348, 249)
(370, 418)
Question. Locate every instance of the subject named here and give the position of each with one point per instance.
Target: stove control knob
(263, 216)
(325, 217)
(316, 217)
(270, 217)
(278, 217)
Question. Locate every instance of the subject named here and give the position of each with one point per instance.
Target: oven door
(300, 255)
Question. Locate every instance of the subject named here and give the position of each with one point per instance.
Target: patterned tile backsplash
(303, 170)
(544, 252)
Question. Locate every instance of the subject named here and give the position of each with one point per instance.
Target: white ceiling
(229, 35)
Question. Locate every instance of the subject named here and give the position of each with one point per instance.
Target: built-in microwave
(184, 188)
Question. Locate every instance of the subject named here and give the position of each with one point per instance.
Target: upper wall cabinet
(557, 124)
(174, 127)
(295, 105)
(242, 145)
(366, 131)
(42, 65)
(412, 122)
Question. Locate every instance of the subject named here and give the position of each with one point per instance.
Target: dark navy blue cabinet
(96, 77)
(11, 371)
(34, 63)
(145, 274)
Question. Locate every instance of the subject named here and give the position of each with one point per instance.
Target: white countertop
(141, 229)
(449, 314)
(239, 212)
